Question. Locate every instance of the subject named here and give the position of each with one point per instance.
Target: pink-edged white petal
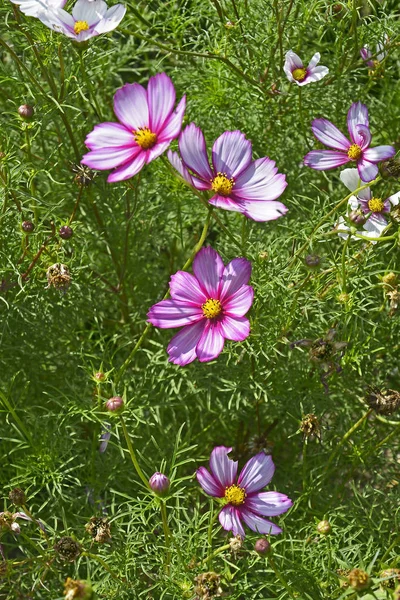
(90, 11)
(357, 115)
(224, 469)
(260, 181)
(177, 163)
(236, 273)
(211, 342)
(258, 524)
(130, 106)
(226, 203)
(367, 170)
(161, 100)
(364, 135)
(292, 62)
(256, 473)
(379, 153)
(315, 74)
(107, 135)
(58, 20)
(268, 504)
(314, 61)
(192, 147)
(111, 19)
(229, 518)
(209, 483)
(185, 288)
(173, 125)
(322, 160)
(366, 55)
(231, 153)
(235, 328)
(263, 211)
(182, 347)
(239, 303)
(375, 225)
(209, 268)
(173, 313)
(327, 133)
(103, 159)
(156, 151)
(129, 169)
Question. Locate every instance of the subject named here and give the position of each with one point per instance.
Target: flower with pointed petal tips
(148, 124)
(243, 496)
(210, 306)
(89, 18)
(32, 8)
(380, 55)
(296, 72)
(237, 182)
(345, 151)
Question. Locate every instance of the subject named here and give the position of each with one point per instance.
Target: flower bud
(26, 112)
(65, 232)
(159, 483)
(17, 497)
(67, 549)
(27, 226)
(77, 589)
(262, 546)
(357, 218)
(312, 261)
(115, 404)
(359, 579)
(390, 578)
(99, 376)
(324, 527)
(389, 280)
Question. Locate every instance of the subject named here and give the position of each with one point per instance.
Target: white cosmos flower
(32, 8)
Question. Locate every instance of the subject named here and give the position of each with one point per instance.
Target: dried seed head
(65, 232)
(324, 527)
(26, 112)
(207, 586)
(359, 579)
(84, 176)
(391, 578)
(115, 404)
(383, 402)
(159, 483)
(17, 497)
(27, 226)
(390, 280)
(67, 549)
(59, 277)
(344, 583)
(312, 261)
(7, 521)
(99, 529)
(236, 543)
(394, 297)
(310, 426)
(76, 588)
(390, 168)
(262, 546)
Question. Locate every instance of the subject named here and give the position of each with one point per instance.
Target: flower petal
(231, 153)
(240, 302)
(367, 170)
(375, 225)
(263, 211)
(327, 133)
(176, 161)
(111, 19)
(315, 74)
(209, 484)
(322, 160)
(394, 199)
(379, 153)
(364, 134)
(209, 268)
(366, 54)
(223, 468)
(229, 517)
(108, 158)
(292, 62)
(90, 11)
(107, 135)
(226, 203)
(258, 524)
(268, 504)
(235, 328)
(161, 99)
(31, 8)
(173, 125)
(185, 288)
(211, 342)
(156, 151)
(260, 181)
(314, 61)
(192, 147)
(256, 473)
(182, 347)
(357, 115)
(130, 106)
(129, 169)
(171, 313)
(236, 273)
(351, 179)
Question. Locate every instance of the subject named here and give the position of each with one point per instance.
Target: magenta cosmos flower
(244, 499)
(238, 183)
(296, 72)
(210, 306)
(345, 151)
(147, 125)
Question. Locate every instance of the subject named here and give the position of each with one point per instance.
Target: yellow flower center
(299, 74)
(211, 308)
(235, 495)
(354, 152)
(376, 205)
(81, 26)
(222, 185)
(145, 138)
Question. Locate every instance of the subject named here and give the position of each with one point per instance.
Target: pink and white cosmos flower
(148, 124)
(238, 183)
(296, 72)
(380, 55)
(32, 8)
(210, 306)
(346, 151)
(243, 496)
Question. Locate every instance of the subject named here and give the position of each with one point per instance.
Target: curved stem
(346, 436)
(132, 453)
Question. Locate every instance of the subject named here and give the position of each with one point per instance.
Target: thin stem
(344, 254)
(280, 577)
(295, 301)
(304, 464)
(76, 205)
(209, 532)
(86, 78)
(132, 453)
(104, 565)
(167, 532)
(346, 437)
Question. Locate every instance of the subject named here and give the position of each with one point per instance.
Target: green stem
(214, 554)
(280, 576)
(295, 301)
(344, 254)
(104, 565)
(86, 78)
(209, 532)
(132, 453)
(16, 418)
(304, 465)
(346, 437)
(167, 532)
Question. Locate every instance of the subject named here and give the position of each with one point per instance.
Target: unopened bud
(17, 497)
(115, 404)
(99, 376)
(26, 112)
(27, 226)
(389, 280)
(312, 261)
(159, 483)
(67, 549)
(357, 218)
(359, 579)
(324, 527)
(262, 546)
(65, 232)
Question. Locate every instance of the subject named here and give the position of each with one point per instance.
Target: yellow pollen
(354, 152)
(145, 138)
(235, 495)
(222, 185)
(299, 74)
(376, 205)
(211, 308)
(81, 26)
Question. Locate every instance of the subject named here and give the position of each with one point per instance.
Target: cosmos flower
(9, 521)
(345, 151)
(32, 8)
(296, 72)
(380, 54)
(364, 208)
(210, 306)
(237, 182)
(89, 18)
(243, 496)
(148, 124)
